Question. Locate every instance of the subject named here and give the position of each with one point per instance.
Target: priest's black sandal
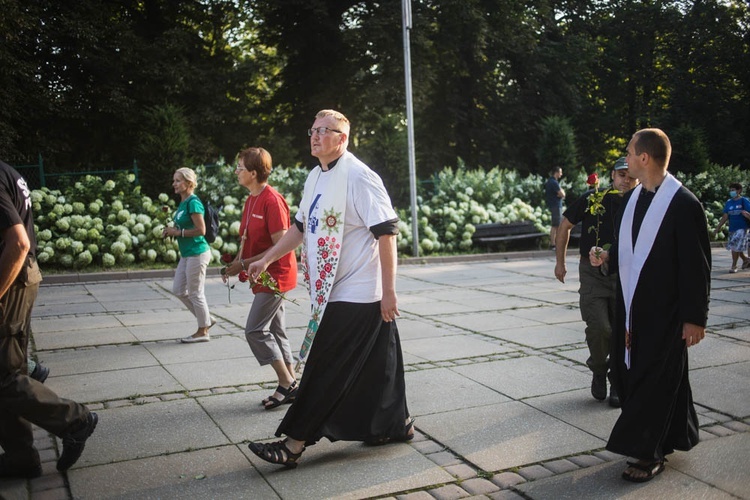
(289, 394)
(276, 453)
(652, 470)
(407, 436)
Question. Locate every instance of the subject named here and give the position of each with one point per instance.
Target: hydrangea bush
(93, 222)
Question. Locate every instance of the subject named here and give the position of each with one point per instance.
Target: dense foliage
(113, 224)
(94, 84)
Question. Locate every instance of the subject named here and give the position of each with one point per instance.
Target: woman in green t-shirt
(195, 254)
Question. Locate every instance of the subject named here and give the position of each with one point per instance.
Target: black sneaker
(599, 387)
(40, 373)
(614, 399)
(10, 469)
(74, 442)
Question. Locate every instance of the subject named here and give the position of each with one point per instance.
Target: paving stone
(607, 455)
(449, 492)
(223, 390)
(534, 472)
(719, 430)
(419, 437)
(444, 458)
(718, 417)
(585, 460)
(479, 486)
(47, 455)
(116, 384)
(428, 447)
(48, 482)
(49, 468)
(461, 471)
(505, 435)
(737, 426)
(150, 399)
(507, 479)
(506, 495)
(44, 443)
(118, 404)
(197, 394)
(724, 388)
(525, 377)
(705, 436)
(560, 466)
(443, 389)
(417, 495)
(172, 397)
(54, 494)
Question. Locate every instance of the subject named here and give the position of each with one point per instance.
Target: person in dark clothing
(664, 261)
(24, 400)
(596, 211)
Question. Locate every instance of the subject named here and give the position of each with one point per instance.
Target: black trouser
(24, 401)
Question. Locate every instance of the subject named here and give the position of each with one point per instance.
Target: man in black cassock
(664, 261)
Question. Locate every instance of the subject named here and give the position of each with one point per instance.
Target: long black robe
(658, 415)
(352, 388)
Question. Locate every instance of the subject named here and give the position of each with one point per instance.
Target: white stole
(329, 228)
(631, 260)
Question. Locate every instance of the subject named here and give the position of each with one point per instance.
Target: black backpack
(211, 218)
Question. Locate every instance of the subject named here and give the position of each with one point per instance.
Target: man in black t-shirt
(597, 292)
(23, 400)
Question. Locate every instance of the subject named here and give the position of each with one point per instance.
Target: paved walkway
(496, 378)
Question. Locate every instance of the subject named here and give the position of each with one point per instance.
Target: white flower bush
(112, 224)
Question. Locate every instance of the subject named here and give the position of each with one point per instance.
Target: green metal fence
(36, 177)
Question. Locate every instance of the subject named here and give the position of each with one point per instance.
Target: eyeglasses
(322, 131)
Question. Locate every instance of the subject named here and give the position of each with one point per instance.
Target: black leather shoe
(614, 399)
(599, 387)
(74, 442)
(40, 373)
(11, 469)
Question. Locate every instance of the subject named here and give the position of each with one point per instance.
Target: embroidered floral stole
(329, 226)
(632, 259)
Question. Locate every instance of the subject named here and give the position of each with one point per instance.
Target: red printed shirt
(265, 215)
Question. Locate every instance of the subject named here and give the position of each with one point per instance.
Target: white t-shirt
(358, 278)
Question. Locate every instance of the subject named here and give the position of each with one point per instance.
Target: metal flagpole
(406, 16)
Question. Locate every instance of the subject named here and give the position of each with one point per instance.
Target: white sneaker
(195, 340)
(734, 270)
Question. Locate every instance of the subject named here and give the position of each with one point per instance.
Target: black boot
(599, 387)
(74, 442)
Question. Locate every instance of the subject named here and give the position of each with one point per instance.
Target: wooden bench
(497, 232)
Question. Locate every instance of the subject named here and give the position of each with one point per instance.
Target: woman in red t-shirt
(265, 219)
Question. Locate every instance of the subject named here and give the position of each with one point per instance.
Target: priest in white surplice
(352, 387)
(664, 263)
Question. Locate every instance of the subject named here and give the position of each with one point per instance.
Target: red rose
(324, 254)
(322, 275)
(320, 299)
(321, 242)
(227, 258)
(243, 277)
(328, 267)
(318, 285)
